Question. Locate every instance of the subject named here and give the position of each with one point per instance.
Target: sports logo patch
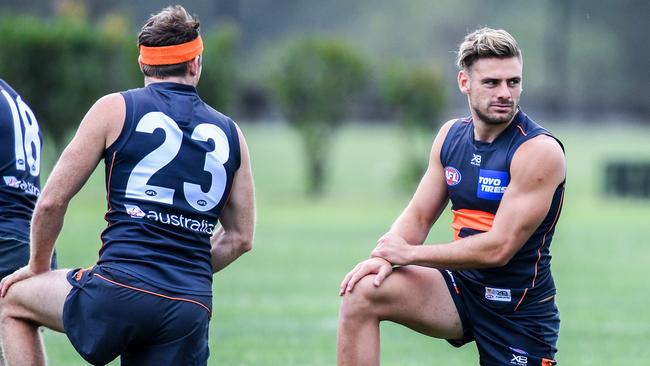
(497, 294)
(519, 360)
(452, 176)
(476, 159)
(492, 184)
(11, 181)
(134, 211)
(27, 187)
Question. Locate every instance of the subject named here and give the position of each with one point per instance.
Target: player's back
(20, 164)
(169, 174)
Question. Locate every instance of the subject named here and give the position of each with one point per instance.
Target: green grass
(278, 305)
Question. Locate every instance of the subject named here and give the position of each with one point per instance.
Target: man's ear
(195, 65)
(140, 64)
(463, 81)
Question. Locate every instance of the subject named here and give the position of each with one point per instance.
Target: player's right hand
(379, 266)
(20, 274)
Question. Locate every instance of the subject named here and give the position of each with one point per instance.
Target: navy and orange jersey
(477, 175)
(168, 176)
(20, 164)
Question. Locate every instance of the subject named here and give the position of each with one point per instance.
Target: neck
(187, 79)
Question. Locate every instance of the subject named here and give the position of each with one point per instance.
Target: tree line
(62, 66)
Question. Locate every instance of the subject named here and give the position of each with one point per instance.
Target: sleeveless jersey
(168, 176)
(477, 175)
(20, 164)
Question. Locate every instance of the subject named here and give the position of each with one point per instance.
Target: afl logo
(452, 176)
(150, 192)
(201, 202)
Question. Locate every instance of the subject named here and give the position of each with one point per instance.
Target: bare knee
(362, 302)
(37, 300)
(9, 306)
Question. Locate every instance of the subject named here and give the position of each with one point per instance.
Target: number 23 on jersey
(138, 186)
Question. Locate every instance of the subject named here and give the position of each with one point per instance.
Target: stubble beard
(496, 119)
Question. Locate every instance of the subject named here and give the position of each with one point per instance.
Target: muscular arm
(414, 223)
(235, 236)
(430, 198)
(98, 129)
(537, 168)
(76, 164)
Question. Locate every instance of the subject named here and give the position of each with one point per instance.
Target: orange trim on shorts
(155, 293)
(471, 219)
(547, 362)
(80, 272)
(170, 55)
(522, 299)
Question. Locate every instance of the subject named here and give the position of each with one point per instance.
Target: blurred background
(340, 101)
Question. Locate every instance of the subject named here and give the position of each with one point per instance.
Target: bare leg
(414, 296)
(28, 304)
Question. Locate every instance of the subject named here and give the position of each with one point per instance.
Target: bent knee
(10, 306)
(364, 299)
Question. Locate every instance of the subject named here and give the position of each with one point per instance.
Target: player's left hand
(394, 249)
(20, 274)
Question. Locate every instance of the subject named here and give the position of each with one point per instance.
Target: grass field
(278, 305)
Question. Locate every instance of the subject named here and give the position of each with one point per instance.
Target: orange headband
(170, 55)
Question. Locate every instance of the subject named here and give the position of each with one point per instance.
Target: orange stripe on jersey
(547, 362)
(522, 130)
(522, 299)
(471, 219)
(539, 250)
(108, 196)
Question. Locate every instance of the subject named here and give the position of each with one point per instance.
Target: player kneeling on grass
(175, 167)
(504, 176)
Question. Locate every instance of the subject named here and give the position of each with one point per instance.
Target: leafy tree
(62, 67)
(417, 96)
(316, 84)
(219, 84)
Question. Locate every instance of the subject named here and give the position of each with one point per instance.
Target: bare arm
(537, 169)
(429, 200)
(414, 223)
(235, 236)
(99, 127)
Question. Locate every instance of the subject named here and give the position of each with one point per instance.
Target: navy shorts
(14, 253)
(525, 337)
(109, 313)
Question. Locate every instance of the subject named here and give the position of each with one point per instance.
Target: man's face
(493, 87)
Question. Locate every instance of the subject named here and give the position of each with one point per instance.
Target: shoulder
(110, 100)
(540, 158)
(444, 130)
(108, 109)
(544, 144)
(441, 137)
(107, 116)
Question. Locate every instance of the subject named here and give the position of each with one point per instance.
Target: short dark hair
(171, 26)
(485, 43)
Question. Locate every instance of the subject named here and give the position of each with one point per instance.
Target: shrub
(317, 82)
